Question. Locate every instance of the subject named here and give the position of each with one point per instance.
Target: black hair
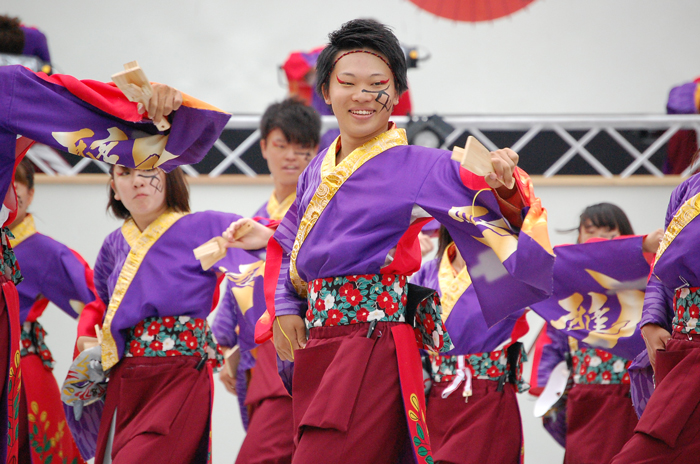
(177, 194)
(444, 240)
(358, 34)
(11, 36)
(24, 174)
(300, 123)
(607, 215)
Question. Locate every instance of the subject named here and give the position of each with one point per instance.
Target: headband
(364, 51)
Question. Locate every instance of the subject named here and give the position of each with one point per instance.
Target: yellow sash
(682, 218)
(23, 231)
(452, 284)
(332, 178)
(140, 243)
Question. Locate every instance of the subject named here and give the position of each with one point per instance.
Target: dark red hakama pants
(669, 429)
(347, 398)
(487, 428)
(270, 437)
(600, 420)
(163, 408)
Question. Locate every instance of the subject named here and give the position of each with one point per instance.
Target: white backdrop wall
(555, 56)
(75, 215)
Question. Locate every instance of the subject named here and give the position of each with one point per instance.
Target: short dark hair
(358, 34)
(444, 240)
(11, 36)
(177, 195)
(607, 215)
(298, 122)
(24, 174)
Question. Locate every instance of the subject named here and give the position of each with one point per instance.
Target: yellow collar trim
(332, 178)
(140, 243)
(682, 218)
(23, 230)
(452, 284)
(277, 210)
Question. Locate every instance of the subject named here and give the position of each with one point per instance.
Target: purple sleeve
(287, 300)
(681, 99)
(104, 265)
(552, 354)
(67, 280)
(226, 320)
(657, 305)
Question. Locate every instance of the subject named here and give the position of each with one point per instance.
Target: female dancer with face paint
(352, 235)
(157, 346)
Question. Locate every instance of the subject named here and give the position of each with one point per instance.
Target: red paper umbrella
(471, 11)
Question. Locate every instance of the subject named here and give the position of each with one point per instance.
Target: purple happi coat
(676, 268)
(373, 210)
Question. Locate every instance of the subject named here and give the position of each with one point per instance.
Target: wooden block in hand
(243, 230)
(475, 157)
(137, 88)
(211, 252)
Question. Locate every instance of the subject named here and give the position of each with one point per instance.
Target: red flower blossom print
(494, 355)
(603, 355)
(345, 289)
(136, 349)
(309, 315)
(384, 300)
(606, 376)
(26, 343)
(185, 336)
(138, 331)
(429, 324)
(591, 376)
(191, 343)
(320, 305)
(334, 317)
(156, 345)
(153, 329)
(404, 299)
(493, 372)
(388, 279)
(169, 322)
(694, 311)
(354, 297)
(626, 378)
(317, 285)
(172, 353)
(46, 354)
(362, 314)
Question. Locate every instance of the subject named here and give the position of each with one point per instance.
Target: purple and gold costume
(155, 336)
(352, 235)
(669, 425)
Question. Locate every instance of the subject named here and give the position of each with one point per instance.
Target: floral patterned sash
(174, 336)
(686, 305)
(32, 340)
(491, 365)
(596, 366)
(374, 297)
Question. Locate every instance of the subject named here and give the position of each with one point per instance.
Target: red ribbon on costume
(263, 328)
